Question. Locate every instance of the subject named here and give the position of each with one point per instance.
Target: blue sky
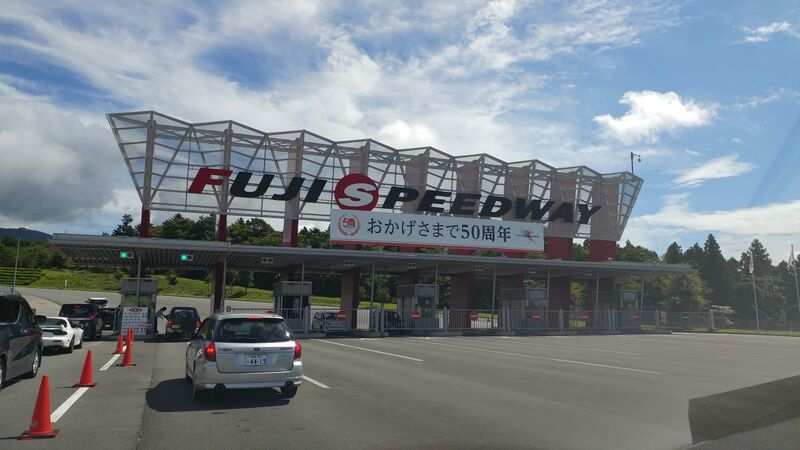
(706, 92)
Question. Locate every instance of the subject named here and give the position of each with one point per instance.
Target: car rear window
(183, 314)
(55, 322)
(75, 311)
(9, 311)
(252, 330)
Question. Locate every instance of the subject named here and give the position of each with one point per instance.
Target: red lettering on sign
(356, 191)
(203, 179)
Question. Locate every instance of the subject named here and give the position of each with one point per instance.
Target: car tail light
(298, 351)
(197, 324)
(91, 316)
(169, 322)
(210, 352)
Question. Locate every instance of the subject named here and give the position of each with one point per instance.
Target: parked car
(243, 351)
(20, 339)
(108, 316)
(182, 322)
(86, 316)
(327, 322)
(58, 333)
(100, 302)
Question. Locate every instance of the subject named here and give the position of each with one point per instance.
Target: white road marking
(67, 403)
(110, 361)
(568, 361)
(536, 344)
(313, 381)
(368, 350)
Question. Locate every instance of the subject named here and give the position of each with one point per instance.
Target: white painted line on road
(568, 361)
(111, 361)
(313, 381)
(368, 350)
(557, 347)
(67, 403)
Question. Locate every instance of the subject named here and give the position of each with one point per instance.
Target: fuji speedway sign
(358, 192)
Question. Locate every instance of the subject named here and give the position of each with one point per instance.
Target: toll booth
(291, 299)
(421, 298)
(625, 306)
(147, 289)
(526, 307)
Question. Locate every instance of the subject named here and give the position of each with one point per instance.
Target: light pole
(16, 260)
(638, 160)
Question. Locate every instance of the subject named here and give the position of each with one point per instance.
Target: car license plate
(256, 360)
(176, 327)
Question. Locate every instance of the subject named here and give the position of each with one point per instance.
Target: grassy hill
(185, 287)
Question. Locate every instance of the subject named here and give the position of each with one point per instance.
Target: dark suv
(86, 316)
(20, 339)
(182, 322)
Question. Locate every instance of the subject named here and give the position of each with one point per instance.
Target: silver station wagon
(243, 351)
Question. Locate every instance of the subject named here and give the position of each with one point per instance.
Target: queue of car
(225, 351)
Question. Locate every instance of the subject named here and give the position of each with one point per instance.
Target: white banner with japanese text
(368, 227)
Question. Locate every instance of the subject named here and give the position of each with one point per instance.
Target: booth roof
(105, 251)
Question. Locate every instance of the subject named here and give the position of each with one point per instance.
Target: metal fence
(384, 320)
(5, 289)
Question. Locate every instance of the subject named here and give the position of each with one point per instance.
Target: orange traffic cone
(120, 349)
(86, 375)
(130, 336)
(127, 360)
(40, 427)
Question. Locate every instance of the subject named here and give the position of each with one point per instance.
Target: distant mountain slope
(31, 235)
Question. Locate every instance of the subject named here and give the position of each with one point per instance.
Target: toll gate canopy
(105, 251)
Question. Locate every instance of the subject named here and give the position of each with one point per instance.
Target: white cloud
(776, 225)
(764, 33)
(465, 87)
(651, 113)
(722, 167)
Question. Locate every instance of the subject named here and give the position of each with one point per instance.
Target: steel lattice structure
(163, 155)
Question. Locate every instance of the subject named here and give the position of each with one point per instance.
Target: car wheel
(80, 343)
(71, 346)
(197, 393)
(186, 376)
(37, 361)
(99, 333)
(2, 373)
(289, 392)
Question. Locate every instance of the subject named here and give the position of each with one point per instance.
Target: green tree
(636, 253)
(693, 255)
(714, 270)
(125, 228)
(674, 254)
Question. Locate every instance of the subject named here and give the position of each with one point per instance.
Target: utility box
(421, 301)
(147, 289)
(291, 299)
(526, 307)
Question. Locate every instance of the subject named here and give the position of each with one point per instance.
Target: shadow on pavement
(175, 395)
(733, 412)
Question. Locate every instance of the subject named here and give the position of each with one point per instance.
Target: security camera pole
(755, 298)
(793, 265)
(639, 159)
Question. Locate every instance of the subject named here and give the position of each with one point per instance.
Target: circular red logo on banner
(341, 315)
(356, 191)
(415, 315)
(473, 316)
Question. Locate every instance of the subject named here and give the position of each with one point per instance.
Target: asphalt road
(640, 391)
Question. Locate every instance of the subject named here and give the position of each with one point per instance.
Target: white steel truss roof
(163, 155)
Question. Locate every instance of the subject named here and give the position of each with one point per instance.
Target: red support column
(351, 281)
(599, 251)
(219, 268)
(144, 224)
(560, 296)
